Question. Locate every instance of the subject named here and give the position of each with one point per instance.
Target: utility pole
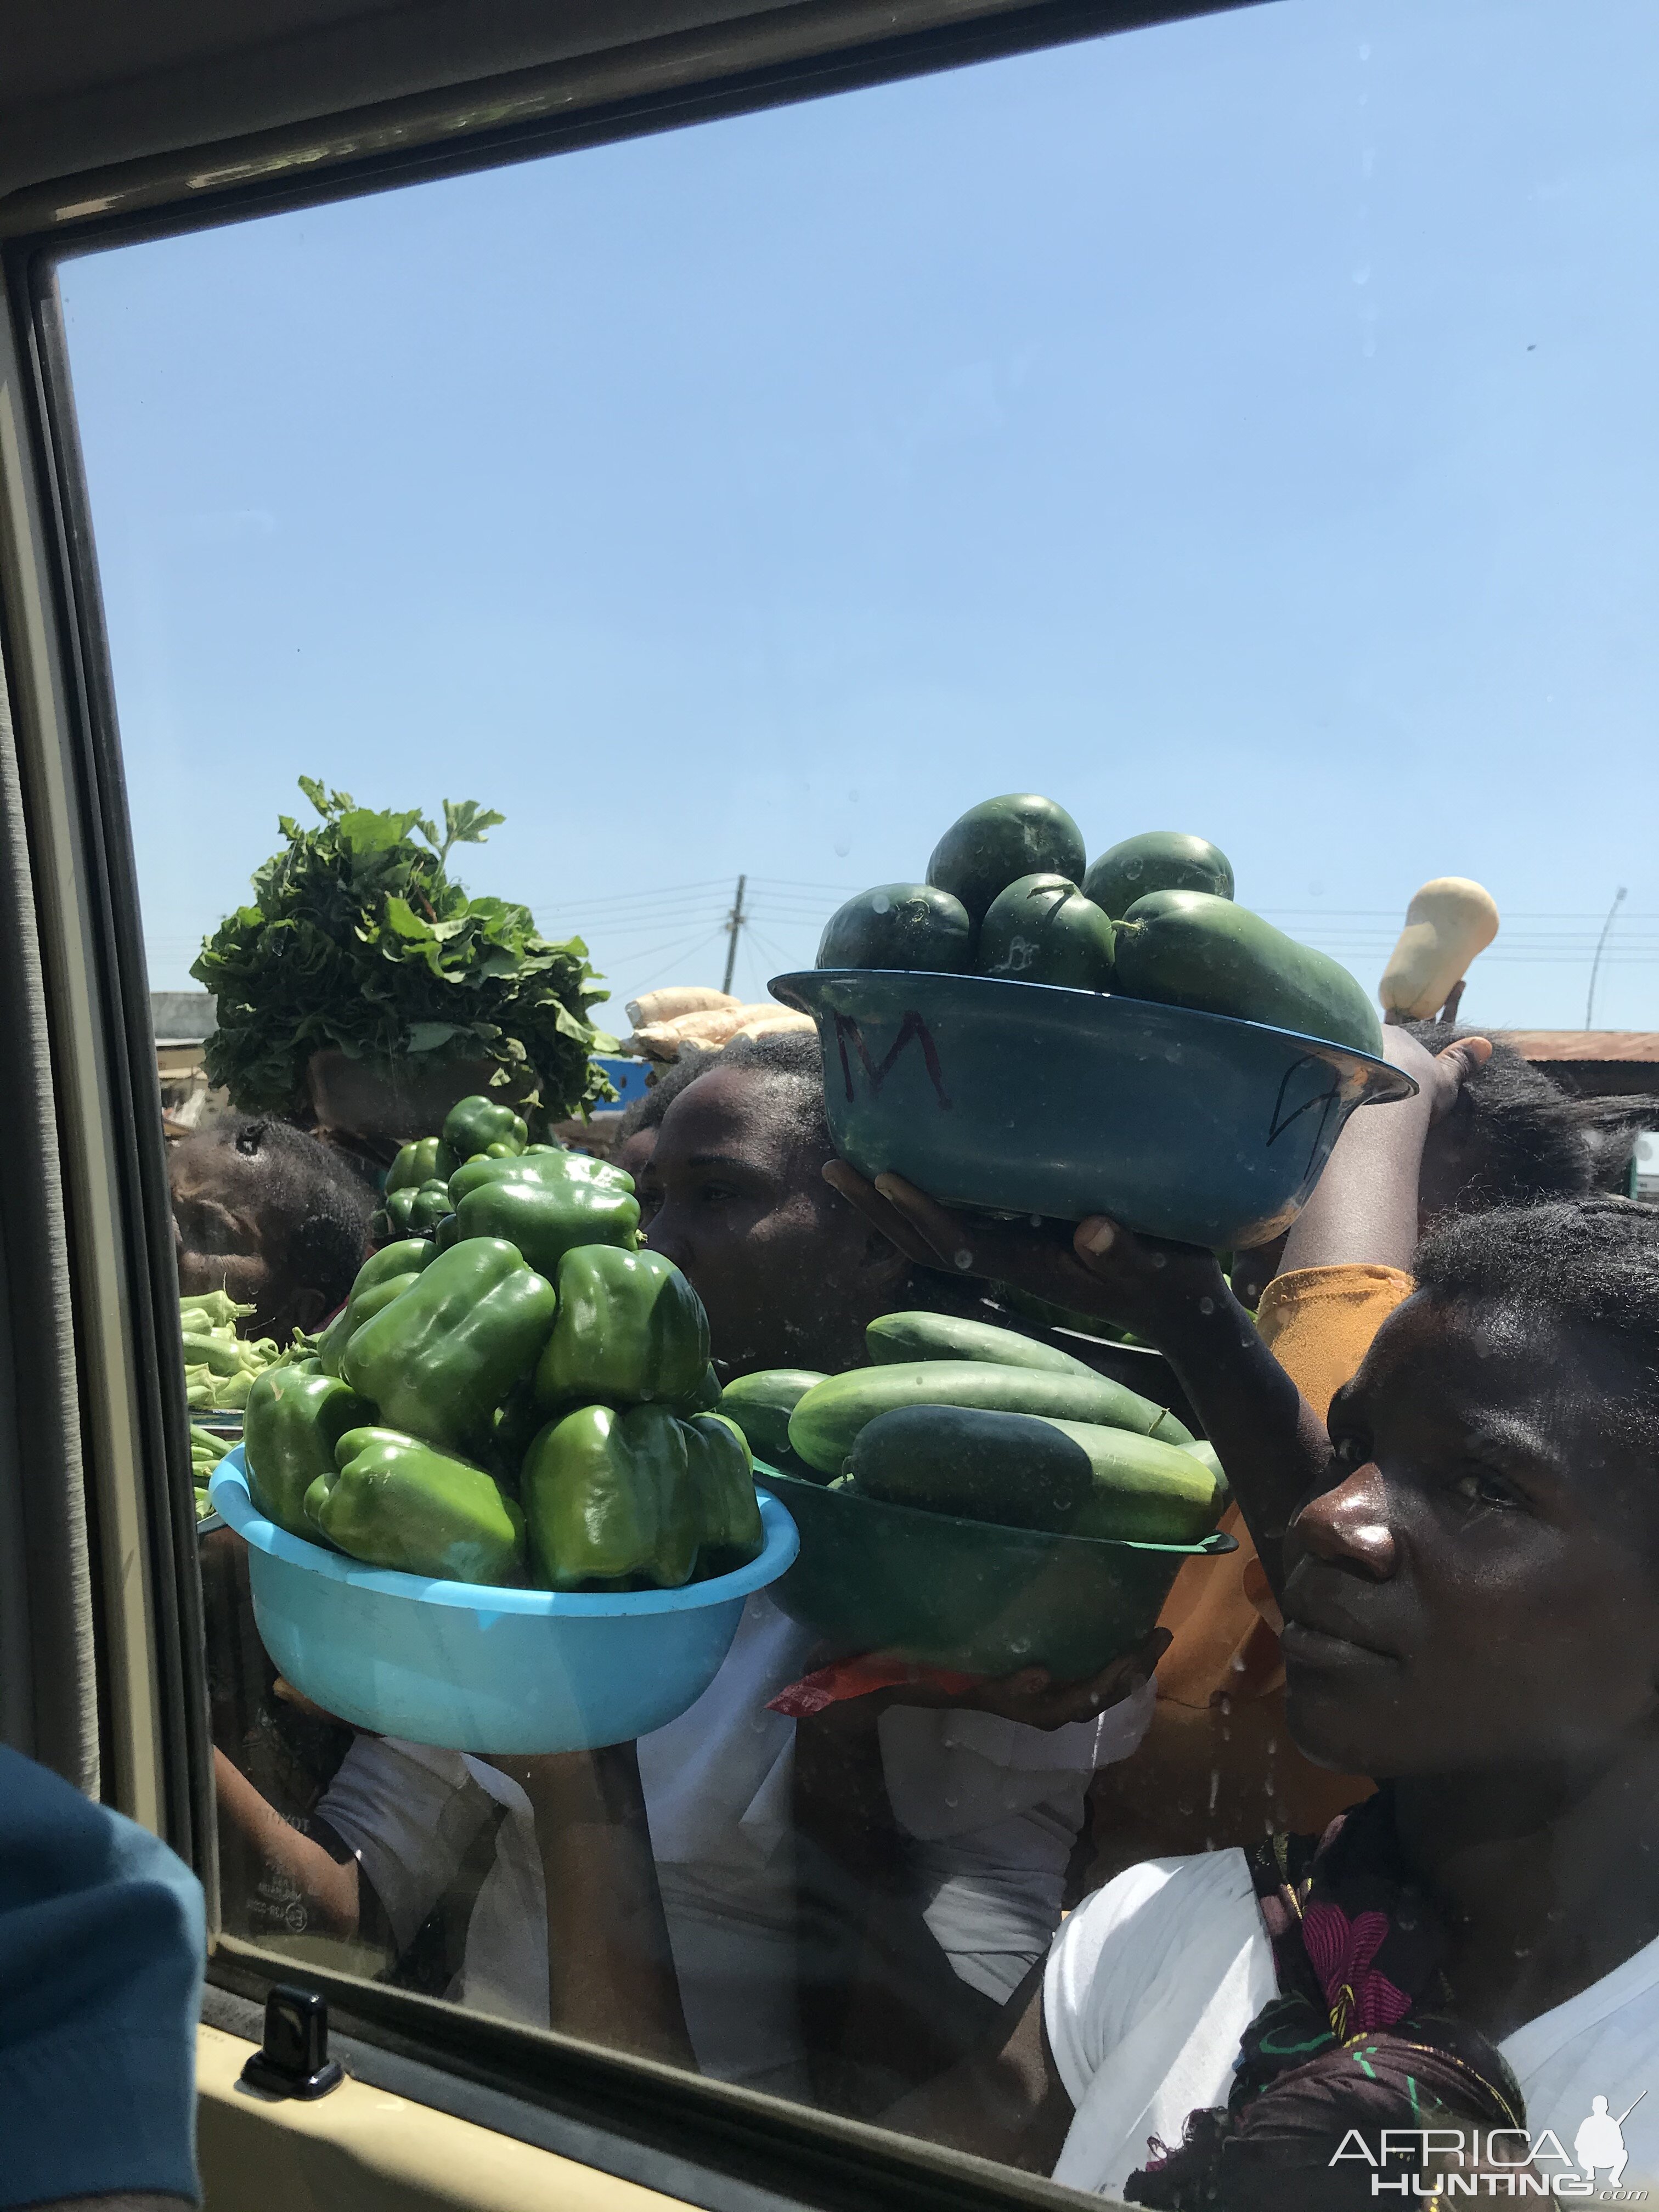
(734, 923)
(1589, 1003)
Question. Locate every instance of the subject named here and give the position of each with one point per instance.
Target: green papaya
(1157, 860)
(825, 1423)
(992, 844)
(1042, 930)
(1188, 949)
(761, 1404)
(895, 1339)
(899, 926)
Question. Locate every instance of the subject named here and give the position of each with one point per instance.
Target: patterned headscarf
(1361, 2035)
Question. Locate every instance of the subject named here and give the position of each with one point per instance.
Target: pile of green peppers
(513, 1392)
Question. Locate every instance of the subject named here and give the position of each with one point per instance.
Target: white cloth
(993, 1807)
(1153, 1980)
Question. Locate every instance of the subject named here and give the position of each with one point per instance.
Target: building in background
(182, 1022)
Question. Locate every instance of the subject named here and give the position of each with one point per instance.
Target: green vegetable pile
(1009, 893)
(219, 1366)
(521, 1395)
(962, 1417)
(358, 941)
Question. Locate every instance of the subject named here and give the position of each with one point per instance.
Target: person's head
(1478, 1587)
(1512, 1137)
(789, 1272)
(271, 1215)
(636, 1132)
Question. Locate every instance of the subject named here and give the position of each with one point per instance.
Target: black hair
(793, 1060)
(1591, 1264)
(324, 1205)
(646, 1112)
(1524, 1138)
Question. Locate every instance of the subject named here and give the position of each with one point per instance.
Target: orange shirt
(1217, 1767)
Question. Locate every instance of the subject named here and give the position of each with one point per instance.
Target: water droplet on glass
(1206, 1305)
(843, 848)
(881, 902)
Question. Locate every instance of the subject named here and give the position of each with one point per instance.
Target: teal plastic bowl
(872, 1576)
(1026, 1098)
(484, 1669)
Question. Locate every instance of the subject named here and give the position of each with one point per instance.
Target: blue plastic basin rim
(1401, 1085)
(228, 1491)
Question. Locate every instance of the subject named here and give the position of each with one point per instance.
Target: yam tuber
(674, 999)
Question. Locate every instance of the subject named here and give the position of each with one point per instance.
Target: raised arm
(1365, 1207)
(610, 1970)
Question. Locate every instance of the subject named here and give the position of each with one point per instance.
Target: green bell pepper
(705, 1399)
(546, 1215)
(384, 1276)
(476, 1123)
(638, 1497)
(556, 1167)
(439, 1359)
(608, 1497)
(428, 1158)
(729, 1511)
(416, 1212)
(630, 1329)
(395, 1502)
(294, 1418)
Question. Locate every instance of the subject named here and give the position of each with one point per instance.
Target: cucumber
(1157, 860)
(1010, 1469)
(897, 1338)
(1205, 1452)
(1019, 1471)
(1042, 930)
(899, 926)
(1187, 949)
(982, 852)
(825, 1425)
(761, 1404)
(1144, 1492)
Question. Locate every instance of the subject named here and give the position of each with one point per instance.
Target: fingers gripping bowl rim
(473, 1668)
(1033, 1098)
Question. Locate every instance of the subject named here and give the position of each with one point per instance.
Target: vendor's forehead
(731, 1111)
(1493, 1359)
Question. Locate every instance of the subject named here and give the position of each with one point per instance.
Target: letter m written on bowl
(1311, 1092)
(912, 1030)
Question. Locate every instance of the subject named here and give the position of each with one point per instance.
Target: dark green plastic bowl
(1028, 1098)
(872, 1576)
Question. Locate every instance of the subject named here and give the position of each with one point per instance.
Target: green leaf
(465, 824)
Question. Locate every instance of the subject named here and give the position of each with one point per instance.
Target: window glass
(548, 607)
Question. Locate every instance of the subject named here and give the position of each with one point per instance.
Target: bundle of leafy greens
(358, 941)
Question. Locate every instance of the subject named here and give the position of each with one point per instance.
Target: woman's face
(1477, 1587)
(788, 1273)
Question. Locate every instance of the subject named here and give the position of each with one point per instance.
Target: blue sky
(1245, 426)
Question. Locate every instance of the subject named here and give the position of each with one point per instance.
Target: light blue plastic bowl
(483, 1669)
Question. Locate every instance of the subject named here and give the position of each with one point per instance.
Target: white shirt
(1153, 1980)
(993, 1807)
